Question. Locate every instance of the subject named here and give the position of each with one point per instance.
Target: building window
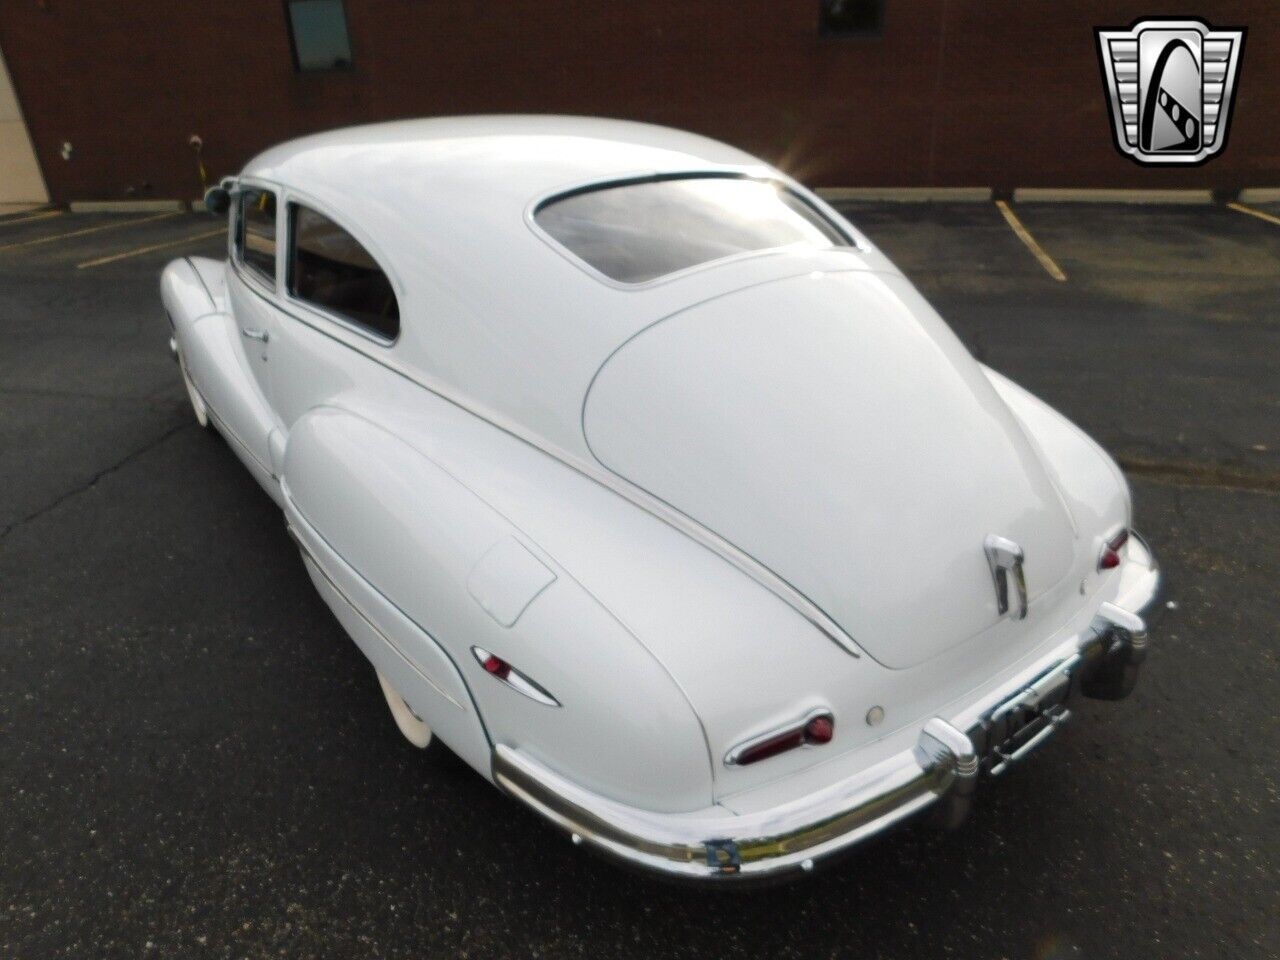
(850, 18)
(318, 34)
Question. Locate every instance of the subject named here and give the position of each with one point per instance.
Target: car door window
(256, 238)
(328, 268)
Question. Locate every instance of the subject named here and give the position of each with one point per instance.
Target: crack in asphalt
(93, 480)
(97, 397)
(1195, 473)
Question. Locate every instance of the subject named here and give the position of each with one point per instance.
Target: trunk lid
(833, 427)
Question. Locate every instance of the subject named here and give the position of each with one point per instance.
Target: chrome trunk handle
(1005, 559)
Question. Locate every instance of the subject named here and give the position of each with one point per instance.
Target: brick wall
(955, 92)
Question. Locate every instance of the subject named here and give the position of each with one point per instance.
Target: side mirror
(217, 200)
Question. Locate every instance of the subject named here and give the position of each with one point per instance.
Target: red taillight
(497, 666)
(772, 747)
(1110, 557)
(820, 730)
(815, 731)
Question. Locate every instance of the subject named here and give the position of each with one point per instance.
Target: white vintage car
(651, 487)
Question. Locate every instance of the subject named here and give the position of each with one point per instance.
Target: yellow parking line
(1260, 214)
(155, 246)
(1029, 242)
(87, 230)
(35, 216)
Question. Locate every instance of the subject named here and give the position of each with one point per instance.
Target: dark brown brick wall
(956, 92)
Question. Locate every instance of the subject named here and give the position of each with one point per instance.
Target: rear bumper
(940, 771)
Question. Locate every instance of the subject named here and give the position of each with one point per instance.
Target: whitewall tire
(411, 725)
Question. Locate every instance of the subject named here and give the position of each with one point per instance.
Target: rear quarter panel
(410, 536)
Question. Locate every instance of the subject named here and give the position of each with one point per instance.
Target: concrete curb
(128, 206)
(835, 194)
(10, 210)
(907, 194)
(1069, 195)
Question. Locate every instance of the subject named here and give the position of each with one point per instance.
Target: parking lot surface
(195, 760)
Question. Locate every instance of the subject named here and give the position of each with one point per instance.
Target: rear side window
(328, 268)
(638, 231)
(256, 240)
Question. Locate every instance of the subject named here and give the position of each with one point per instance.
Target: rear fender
(1091, 483)
(442, 573)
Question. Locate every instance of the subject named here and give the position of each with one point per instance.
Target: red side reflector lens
(497, 666)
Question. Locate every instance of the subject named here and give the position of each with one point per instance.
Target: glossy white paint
(833, 427)
(773, 499)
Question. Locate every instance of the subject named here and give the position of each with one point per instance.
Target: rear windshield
(639, 231)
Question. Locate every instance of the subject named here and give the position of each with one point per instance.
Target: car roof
(493, 311)
(551, 151)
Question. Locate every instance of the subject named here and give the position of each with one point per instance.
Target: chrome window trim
(293, 198)
(330, 317)
(245, 270)
(759, 175)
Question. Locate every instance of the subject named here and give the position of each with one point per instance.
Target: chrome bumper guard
(940, 771)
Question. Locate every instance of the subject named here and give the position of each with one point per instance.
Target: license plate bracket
(1025, 721)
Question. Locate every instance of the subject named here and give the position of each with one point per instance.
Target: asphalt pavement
(196, 762)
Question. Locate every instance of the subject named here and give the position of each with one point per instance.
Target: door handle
(260, 335)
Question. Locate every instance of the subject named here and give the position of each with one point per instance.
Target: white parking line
(86, 230)
(1260, 214)
(1029, 241)
(44, 215)
(155, 246)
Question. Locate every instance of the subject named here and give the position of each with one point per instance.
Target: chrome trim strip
(310, 557)
(213, 304)
(226, 430)
(725, 845)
